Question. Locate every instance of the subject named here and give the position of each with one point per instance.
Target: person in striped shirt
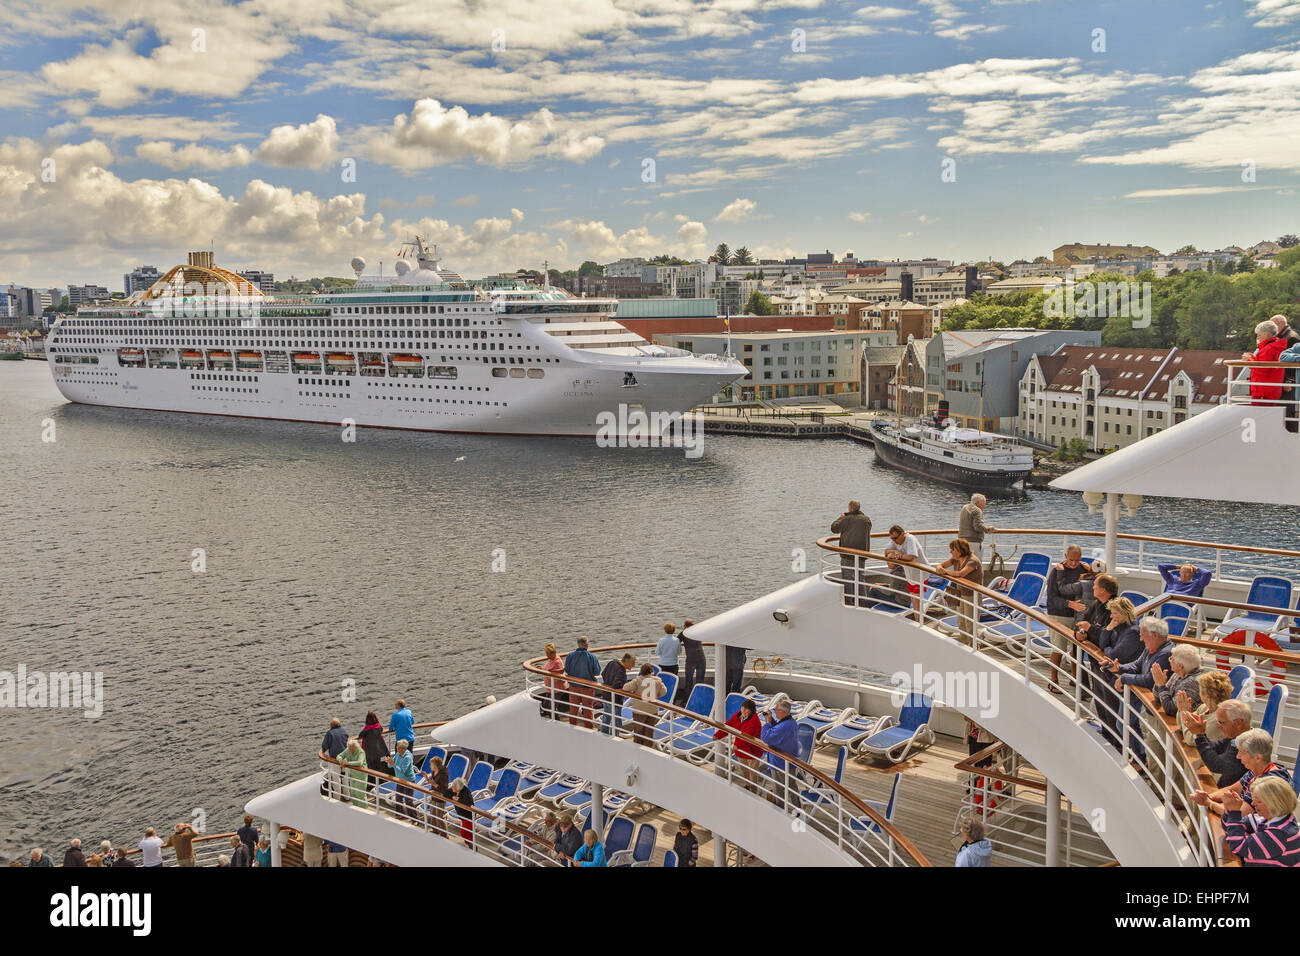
(1255, 751)
(1270, 839)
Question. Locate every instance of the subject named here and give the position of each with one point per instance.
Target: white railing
(809, 798)
(1238, 385)
(1019, 637)
(421, 808)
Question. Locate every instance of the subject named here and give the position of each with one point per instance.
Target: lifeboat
(133, 356)
(306, 358)
(373, 363)
(250, 359)
(409, 362)
(219, 357)
(339, 358)
(191, 358)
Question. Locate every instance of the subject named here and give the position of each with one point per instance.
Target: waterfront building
(959, 283)
(79, 295)
(139, 279)
(1112, 397)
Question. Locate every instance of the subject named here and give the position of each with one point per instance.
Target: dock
(800, 421)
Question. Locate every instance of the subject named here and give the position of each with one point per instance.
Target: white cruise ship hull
(572, 401)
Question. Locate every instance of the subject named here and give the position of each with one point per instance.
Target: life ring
(1263, 641)
(761, 665)
(977, 786)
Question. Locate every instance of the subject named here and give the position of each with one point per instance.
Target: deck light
(781, 616)
(1093, 500)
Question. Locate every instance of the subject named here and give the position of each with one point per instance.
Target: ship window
(536, 372)
(499, 372)
(516, 373)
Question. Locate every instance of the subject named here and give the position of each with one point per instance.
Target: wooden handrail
(197, 839)
(411, 785)
(863, 810)
(968, 764)
(1122, 535)
(1245, 650)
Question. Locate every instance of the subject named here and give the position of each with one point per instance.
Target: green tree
(1289, 240)
(757, 304)
(721, 255)
(590, 268)
(743, 257)
(1187, 250)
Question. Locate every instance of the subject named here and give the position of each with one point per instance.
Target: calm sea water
(372, 563)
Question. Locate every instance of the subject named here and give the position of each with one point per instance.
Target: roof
(1138, 373)
(961, 341)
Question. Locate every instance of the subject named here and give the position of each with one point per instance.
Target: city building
(139, 279)
(612, 287)
(1168, 265)
(788, 364)
(1111, 397)
(959, 283)
(1024, 284)
(79, 295)
(978, 370)
(265, 281)
(1078, 251)
(625, 268)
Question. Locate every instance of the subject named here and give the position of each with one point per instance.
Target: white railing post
(1053, 826)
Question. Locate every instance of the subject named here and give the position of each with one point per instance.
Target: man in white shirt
(151, 848)
(907, 551)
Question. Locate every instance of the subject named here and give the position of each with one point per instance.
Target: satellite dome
(358, 264)
(401, 267)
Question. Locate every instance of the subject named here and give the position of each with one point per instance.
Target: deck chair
(1026, 589)
(1242, 679)
(1272, 718)
(643, 848)
(670, 683)
(670, 858)
(521, 765)
(506, 788)
(428, 758)
(534, 780)
(806, 737)
(762, 702)
(479, 777)
(559, 788)
(699, 741)
(1265, 591)
(699, 703)
(457, 765)
(1035, 562)
(613, 802)
(851, 731)
(1176, 616)
(896, 741)
(823, 719)
(1137, 597)
(815, 797)
(885, 809)
(618, 837)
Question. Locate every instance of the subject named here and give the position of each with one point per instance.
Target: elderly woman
(1120, 643)
(1214, 688)
(1266, 383)
(1255, 751)
(1274, 841)
(976, 849)
(556, 685)
(965, 569)
(1185, 664)
(591, 853)
(353, 759)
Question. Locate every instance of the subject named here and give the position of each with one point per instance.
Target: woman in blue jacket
(591, 853)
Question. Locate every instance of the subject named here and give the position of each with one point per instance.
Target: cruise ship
(918, 736)
(421, 349)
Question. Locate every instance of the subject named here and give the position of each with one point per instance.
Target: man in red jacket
(747, 754)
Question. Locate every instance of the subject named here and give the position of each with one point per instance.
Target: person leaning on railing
(1156, 649)
(1273, 840)
(352, 757)
(645, 690)
(1255, 751)
(747, 755)
(1220, 757)
(1185, 663)
(556, 686)
(1214, 688)
(181, 841)
(1265, 383)
(965, 565)
(854, 529)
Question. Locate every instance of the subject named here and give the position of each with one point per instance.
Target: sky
(292, 135)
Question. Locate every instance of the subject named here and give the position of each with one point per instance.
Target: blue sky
(512, 131)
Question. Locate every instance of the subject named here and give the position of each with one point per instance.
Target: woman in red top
(555, 686)
(1266, 383)
(747, 754)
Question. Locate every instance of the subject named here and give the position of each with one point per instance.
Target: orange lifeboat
(408, 361)
(306, 358)
(192, 356)
(131, 355)
(340, 358)
(219, 356)
(250, 358)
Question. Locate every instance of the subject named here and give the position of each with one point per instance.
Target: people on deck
(1255, 751)
(667, 649)
(1213, 687)
(1156, 649)
(591, 853)
(1265, 383)
(462, 799)
(1220, 756)
(971, 527)
(181, 840)
(1182, 678)
(1271, 839)
(967, 569)
(353, 758)
(262, 855)
(119, 859)
(854, 529)
(402, 724)
(614, 676)
(685, 844)
(336, 855)
(240, 857)
(335, 739)
(556, 701)
(976, 849)
(567, 839)
(695, 662)
(38, 858)
(581, 664)
(735, 668)
(403, 767)
(436, 779)
(74, 856)
(908, 552)
(781, 734)
(151, 848)
(645, 690)
(1184, 578)
(248, 833)
(746, 754)
(374, 745)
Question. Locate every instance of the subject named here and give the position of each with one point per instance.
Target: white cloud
(736, 210)
(695, 235)
(1188, 191)
(433, 134)
(469, 200)
(306, 146)
(859, 216)
(1273, 13)
(192, 155)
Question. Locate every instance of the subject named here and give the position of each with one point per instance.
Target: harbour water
(330, 565)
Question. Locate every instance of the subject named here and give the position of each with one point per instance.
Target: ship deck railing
(427, 811)
(816, 800)
(1018, 636)
(1238, 384)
